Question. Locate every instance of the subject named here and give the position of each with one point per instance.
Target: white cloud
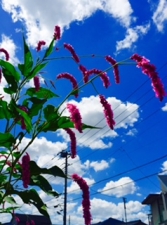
(119, 188)
(132, 35)
(164, 108)
(102, 210)
(123, 13)
(8, 44)
(98, 165)
(125, 114)
(132, 132)
(164, 168)
(40, 19)
(160, 15)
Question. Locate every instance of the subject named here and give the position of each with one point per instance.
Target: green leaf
(41, 182)
(65, 122)
(36, 70)
(36, 106)
(4, 111)
(27, 119)
(42, 93)
(10, 70)
(31, 196)
(9, 209)
(49, 50)
(28, 60)
(36, 170)
(3, 179)
(50, 112)
(6, 140)
(10, 200)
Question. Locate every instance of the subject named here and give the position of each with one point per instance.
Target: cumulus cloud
(102, 210)
(119, 188)
(8, 44)
(164, 108)
(125, 114)
(132, 132)
(160, 15)
(164, 168)
(40, 19)
(98, 165)
(132, 35)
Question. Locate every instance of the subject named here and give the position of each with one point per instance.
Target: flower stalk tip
(75, 116)
(26, 170)
(36, 83)
(86, 198)
(6, 53)
(113, 62)
(40, 44)
(72, 51)
(107, 112)
(73, 142)
(150, 70)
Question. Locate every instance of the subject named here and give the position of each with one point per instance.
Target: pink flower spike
(17, 219)
(32, 222)
(86, 198)
(75, 116)
(23, 125)
(102, 75)
(6, 53)
(115, 68)
(26, 170)
(0, 75)
(57, 33)
(72, 51)
(84, 71)
(39, 46)
(107, 112)
(150, 71)
(73, 142)
(36, 83)
(72, 79)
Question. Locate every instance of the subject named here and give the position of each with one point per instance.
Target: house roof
(38, 219)
(111, 221)
(151, 198)
(135, 222)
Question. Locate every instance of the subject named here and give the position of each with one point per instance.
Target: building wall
(157, 212)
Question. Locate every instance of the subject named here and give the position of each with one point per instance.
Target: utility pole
(124, 201)
(64, 154)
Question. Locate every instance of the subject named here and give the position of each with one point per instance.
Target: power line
(124, 172)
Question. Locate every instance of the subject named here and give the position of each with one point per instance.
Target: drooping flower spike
(73, 142)
(72, 51)
(107, 112)
(0, 75)
(113, 62)
(40, 44)
(57, 33)
(102, 75)
(6, 53)
(23, 125)
(70, 78)
(86, 198)
(150, 70)
(36, 83)
(26, 170)
(75, 116)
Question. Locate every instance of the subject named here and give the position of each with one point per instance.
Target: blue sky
(120, 29)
